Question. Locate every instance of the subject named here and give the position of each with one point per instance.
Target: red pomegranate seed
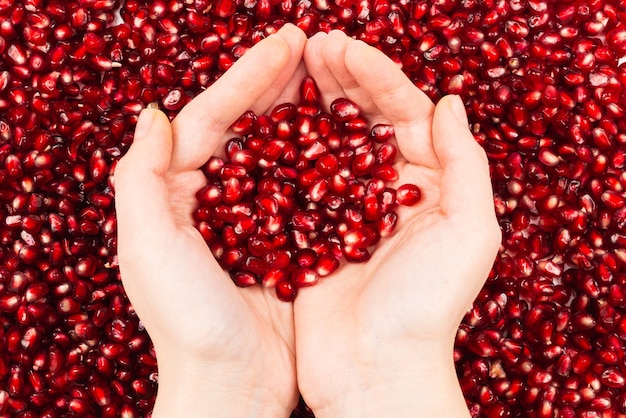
(344, 110)
(384, 171)
(382, 132)
(309, 91)
(285, 291)
(326, 264)
(408, 194)
(304, 277)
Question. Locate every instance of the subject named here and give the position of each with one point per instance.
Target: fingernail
(458, 109)
(144, 122)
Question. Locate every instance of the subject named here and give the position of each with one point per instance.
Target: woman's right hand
(376, 339)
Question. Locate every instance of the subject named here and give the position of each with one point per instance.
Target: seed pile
(300, 190)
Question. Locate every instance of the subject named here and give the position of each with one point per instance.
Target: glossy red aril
(408, 194)
(294, 222)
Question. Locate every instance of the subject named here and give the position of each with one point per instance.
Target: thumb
(152, 144)
(141, 194)
(466, 193)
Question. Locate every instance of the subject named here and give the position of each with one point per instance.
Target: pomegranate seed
(326, 264)
(408, 194)
(382, 133)
(304, 277)
(386, 153)
(309, 91)
(344, 110)
(285, 291)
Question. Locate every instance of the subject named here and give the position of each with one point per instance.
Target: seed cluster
(545, 93)
(299, 191)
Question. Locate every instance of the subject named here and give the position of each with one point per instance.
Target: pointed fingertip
(336, 43)
(335, 46)
(456, 108)
(354, 53)
(295, 39)
(144, 123)
(313, 48)
(336, 33)
(289, 30)
(274, 47)
(359, 45)
(318, 35)
(360, 55)
(450, 123)
(152, 141)
(158, 119)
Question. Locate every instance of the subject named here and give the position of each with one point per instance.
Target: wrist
(407, 385)
(201, 389)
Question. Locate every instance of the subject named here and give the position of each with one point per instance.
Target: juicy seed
(408, 194)
(382, 133)
(344, 110)
(309, 91)
(286, 291)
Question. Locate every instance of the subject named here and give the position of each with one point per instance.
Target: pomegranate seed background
(545, 92)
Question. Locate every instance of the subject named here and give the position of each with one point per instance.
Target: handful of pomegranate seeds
(299, 191)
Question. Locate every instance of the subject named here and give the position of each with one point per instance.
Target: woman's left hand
(222, 350)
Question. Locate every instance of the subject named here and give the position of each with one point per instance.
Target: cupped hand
(387, 326)
(222, 350)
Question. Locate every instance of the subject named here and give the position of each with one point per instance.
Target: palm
(405, 291)
(363, 306)
(213, 314)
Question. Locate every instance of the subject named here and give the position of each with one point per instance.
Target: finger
(334, 53)
(407, 108)
(316, 67)
(200, 126)
(466, 193)
(290, 93)
(141, 195)
(283, 87)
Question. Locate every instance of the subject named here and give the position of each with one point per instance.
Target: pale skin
(373, 339)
